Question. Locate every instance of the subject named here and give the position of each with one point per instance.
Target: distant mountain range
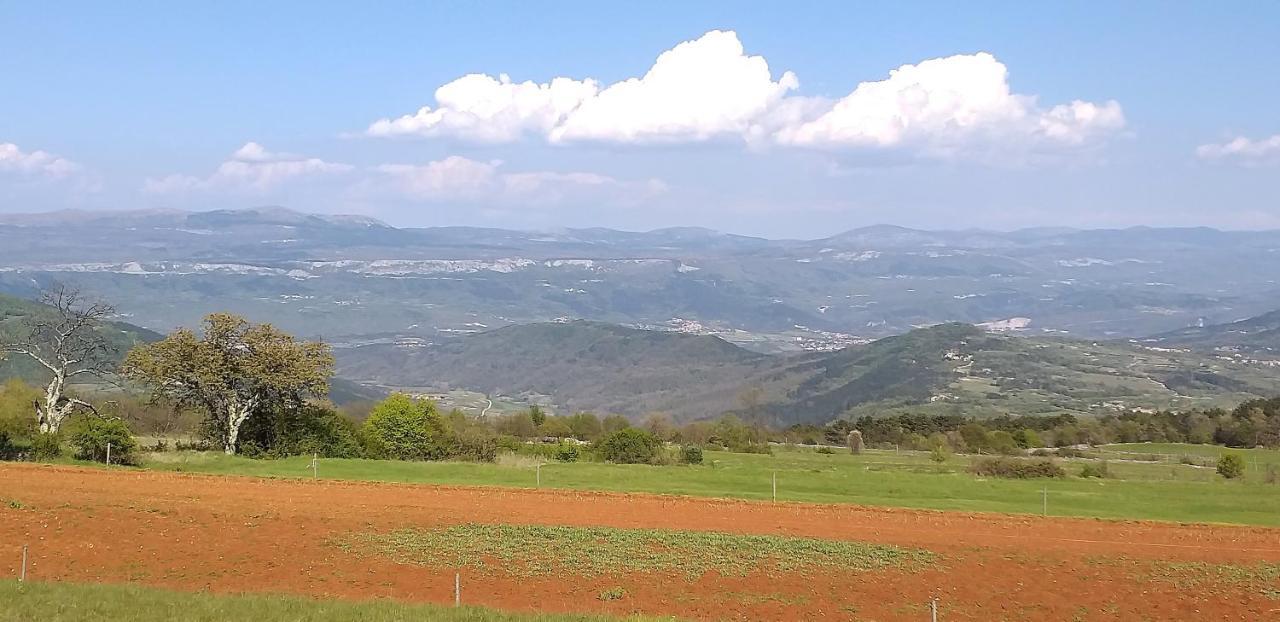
(354, 280)
(946, 369)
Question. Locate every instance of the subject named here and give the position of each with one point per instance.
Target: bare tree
(68, 343)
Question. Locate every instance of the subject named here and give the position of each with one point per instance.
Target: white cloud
(695, 91)
(710, 88)
(456, 178)
(250, 169)
(1243, 150)
(14, 160)
(950, 106)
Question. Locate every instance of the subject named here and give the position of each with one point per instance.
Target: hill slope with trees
(946, 369)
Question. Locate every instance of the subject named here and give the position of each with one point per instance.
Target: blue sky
(1001, 115)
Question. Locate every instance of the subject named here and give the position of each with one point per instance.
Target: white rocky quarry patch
(411, 267)
(1006, 325)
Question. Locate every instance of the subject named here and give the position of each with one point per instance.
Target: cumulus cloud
(1243, 150)
(34, 164)
(696, 91)
(710, 88)
(252, 169)
(456, 178)
(950, 106)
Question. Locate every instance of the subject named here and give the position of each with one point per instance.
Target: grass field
(73, 602)
(1161, 490)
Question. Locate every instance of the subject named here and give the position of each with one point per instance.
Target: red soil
(236, 534)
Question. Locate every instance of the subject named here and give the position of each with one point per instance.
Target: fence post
(538, 475)
(22, 576)
(315, 466)
(933, 609)
(108, 453)
(457, 589)
(1044, 509)
(775, 486)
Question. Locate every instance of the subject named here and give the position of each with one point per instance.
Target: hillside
(950, 368)
(581, 365)
(1259, 334)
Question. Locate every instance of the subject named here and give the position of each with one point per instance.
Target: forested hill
(949, 368)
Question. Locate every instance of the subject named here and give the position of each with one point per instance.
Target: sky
(796, 119)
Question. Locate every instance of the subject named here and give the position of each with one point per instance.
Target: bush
(939, 454)
(7, 449)
(403, 428)
(1098, 470)
(475, 447)
(1231, 466)
(629, 446)
(691, 454)
(91, 435)
(1014, 468)
(46, 446)
(566, 452)
(825, 450)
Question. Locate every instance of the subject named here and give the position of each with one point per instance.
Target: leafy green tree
(1231, 466)
(585, 426)
(313, 428)
(614, 423)
(518, 424)
(555, 426)
(234, 370)
(629, 446)
(405, 428)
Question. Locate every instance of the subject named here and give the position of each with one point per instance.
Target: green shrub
(629, 446)
(403, 428)
(8, 451)
(1098, 470)
(46, 446)
(1231, 466)
(939, 454)
(508, 442)
(91, 435)
(474, 446)
(1014, 468)
(825, 450)
(613, 593)
(691, 454)
(566, 452)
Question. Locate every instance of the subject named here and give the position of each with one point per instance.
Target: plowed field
(239, 534)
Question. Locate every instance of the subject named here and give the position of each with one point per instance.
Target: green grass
(536, 550)
(72, 602)
(1144, 490)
